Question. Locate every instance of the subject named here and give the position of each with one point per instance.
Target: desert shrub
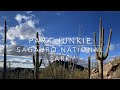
(59, 72)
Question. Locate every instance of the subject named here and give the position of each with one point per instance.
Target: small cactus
(36, 62)
(89, 67)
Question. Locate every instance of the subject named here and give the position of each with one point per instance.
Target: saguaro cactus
(89, 67)
(99, 52)
(36, 62)
(4, 71)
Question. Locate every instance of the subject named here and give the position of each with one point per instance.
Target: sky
(23, 25)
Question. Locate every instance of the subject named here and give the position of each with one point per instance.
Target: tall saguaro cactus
(89, 67)
(99, 52)
(4, 71)
(36, 62)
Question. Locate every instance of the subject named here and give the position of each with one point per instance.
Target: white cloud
(13, 42)
(25, 29)
(1, 28)
(17, 50)
(93, 57)
(20, 17)
(19, 62)
(114, 46)
(1, 49)
(31, 23)
(12, 50)
(23, 32)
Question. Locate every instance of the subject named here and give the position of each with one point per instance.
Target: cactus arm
(33, 60)
(95, 40)
(100, 37)
(102, 42)
(40, 62)
(100, 25)
(108, 46)
(96, 51)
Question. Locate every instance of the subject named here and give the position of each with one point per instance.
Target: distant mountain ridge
(68, 64)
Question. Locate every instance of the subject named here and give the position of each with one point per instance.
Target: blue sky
(59, 24)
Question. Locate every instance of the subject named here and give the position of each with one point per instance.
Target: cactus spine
(36, 62)
(4, 73)
(99, 52)
(89, 67)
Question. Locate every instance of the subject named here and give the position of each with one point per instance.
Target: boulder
(94, 71)
(94, 74)
(106, 69)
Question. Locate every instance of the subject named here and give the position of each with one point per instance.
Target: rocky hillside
(111, 70)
